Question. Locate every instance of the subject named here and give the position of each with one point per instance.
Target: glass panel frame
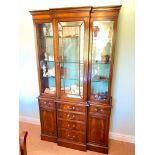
(45, 43)
(101, 53)
(71, 86)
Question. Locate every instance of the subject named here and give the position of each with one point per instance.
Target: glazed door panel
(46, 61)
(48, 122)
(97, 129)
(73, 48)
(100, 59)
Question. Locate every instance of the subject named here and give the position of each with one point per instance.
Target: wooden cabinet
(75, 56)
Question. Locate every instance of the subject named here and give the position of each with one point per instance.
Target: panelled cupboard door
(72, 57)
(97, 129)
(48, 122)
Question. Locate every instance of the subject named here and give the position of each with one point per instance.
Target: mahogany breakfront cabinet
(75, 56)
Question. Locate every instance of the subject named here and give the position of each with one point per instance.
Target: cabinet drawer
(71, 125)
(72, 135)
(48, 104)
(71, 116)
(71, 107)
(99, 109)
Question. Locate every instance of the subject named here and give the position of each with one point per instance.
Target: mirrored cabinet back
(75, 56)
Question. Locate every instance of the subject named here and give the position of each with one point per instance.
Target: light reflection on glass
(101, 56)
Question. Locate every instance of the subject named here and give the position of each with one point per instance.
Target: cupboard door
(100, 59)
(97, 129)
(72, 58)
(46, 61)
(48, 122)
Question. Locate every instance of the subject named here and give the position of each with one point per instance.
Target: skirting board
(112, 135)
(122, 137)
(29, 120)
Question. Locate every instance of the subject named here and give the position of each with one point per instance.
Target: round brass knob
(96, 109)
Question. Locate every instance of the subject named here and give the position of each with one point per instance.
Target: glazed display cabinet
(75, 56)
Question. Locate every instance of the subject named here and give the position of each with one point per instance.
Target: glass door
(71, 58)
(46, 58)
(102, 34)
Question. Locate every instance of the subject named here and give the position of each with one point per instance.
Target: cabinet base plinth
(48, 138)
(71, 145)
(97, 148)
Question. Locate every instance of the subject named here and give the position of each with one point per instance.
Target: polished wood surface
(48, 119)
(79, 123)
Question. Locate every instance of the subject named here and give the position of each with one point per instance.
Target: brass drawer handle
(70, 116)
(71, 108)
(101, 110)
(98, 110)
(71, 137)
(73, 126)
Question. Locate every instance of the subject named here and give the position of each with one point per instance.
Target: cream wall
(122, 119)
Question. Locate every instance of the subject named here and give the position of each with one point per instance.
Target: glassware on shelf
(51, 58)
(95, 30)
(101, 96)
(50, 90)
(47, 31)
(51, 72)
(74, 89)
(99, 77)
(44, 70)
(106, 58)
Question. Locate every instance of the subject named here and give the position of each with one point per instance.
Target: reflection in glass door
(71, 51)
(101, 58)
(46, 58)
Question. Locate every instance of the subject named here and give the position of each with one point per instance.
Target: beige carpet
(35, 146)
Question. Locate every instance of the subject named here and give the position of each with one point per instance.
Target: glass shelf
(70, 79)
(100, 62)
(76, 37)
(49, 60)
(48, 76)
(71, 62)
(100, 80)
(43, 37)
